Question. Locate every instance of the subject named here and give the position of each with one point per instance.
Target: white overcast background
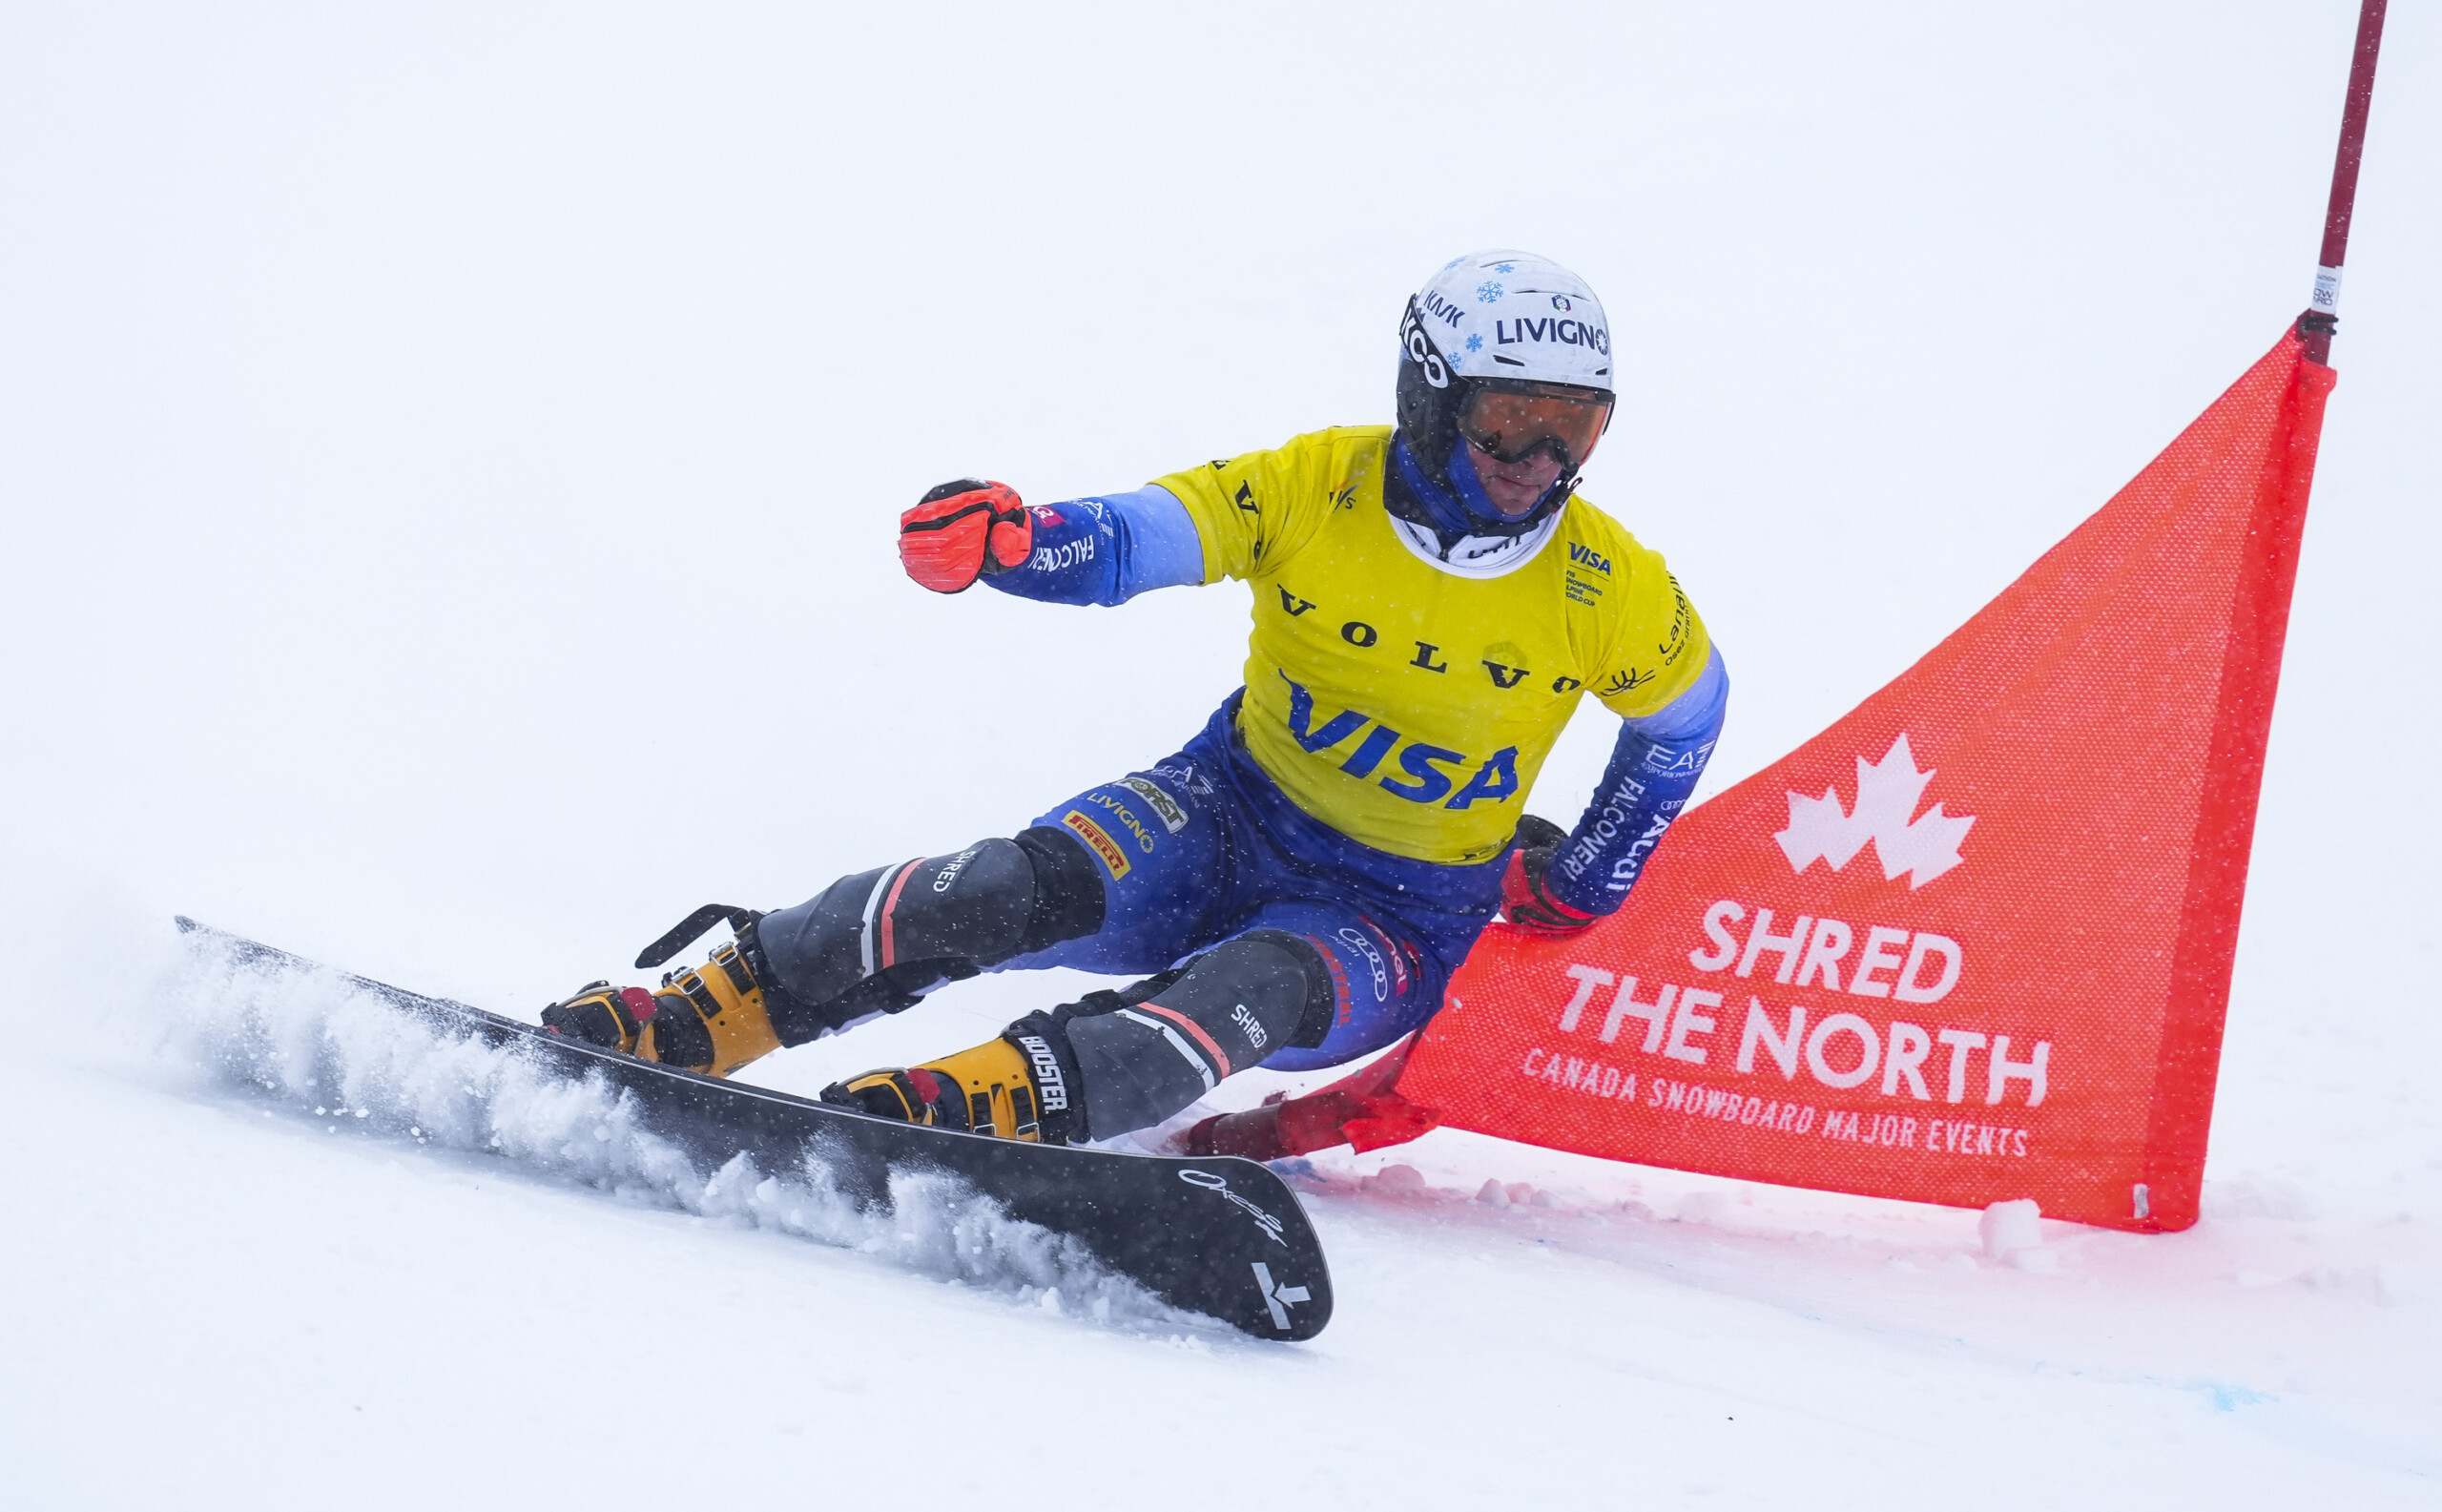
(448, 464)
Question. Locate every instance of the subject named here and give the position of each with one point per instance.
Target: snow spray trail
(311, 1039)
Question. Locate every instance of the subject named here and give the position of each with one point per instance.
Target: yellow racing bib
(1407, 703)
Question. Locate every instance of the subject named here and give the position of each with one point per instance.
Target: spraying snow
(320, 1048)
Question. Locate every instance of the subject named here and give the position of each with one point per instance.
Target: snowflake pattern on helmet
(1539, 322)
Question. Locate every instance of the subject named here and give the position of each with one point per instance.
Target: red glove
(1525, 901)
(1364, 1110)
(963, 530)
(1296, 1125)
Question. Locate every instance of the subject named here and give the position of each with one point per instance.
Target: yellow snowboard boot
(1000, 1088)
(713, 1018)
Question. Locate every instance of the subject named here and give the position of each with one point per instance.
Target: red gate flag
(1972, 943)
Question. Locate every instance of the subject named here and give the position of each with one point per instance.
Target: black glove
(1525, 901)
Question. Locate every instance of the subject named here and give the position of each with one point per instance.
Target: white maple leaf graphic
(1886, 793)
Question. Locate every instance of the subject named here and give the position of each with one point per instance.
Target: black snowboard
(1223, 1237)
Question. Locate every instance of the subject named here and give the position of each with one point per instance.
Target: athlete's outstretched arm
(1095, 550)
(1653, 772)
(1108, 548)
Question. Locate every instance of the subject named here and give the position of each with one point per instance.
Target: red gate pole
(2315, 327)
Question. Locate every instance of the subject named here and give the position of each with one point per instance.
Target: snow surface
(445, 459)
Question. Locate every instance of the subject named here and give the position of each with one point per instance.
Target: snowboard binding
(713, 1018)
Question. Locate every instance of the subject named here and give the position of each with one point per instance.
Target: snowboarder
(1297, 883)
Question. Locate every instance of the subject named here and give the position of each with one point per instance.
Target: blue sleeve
(1653, 771)
(1108, 550)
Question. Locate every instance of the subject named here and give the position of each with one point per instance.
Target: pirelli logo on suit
(1098, 840)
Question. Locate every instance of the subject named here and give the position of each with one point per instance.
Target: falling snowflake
(1476, 342)
(1922, 845)
(1488, 291)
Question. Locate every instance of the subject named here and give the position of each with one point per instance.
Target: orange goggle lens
(1513, 425)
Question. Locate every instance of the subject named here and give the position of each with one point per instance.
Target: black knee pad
(1136, 1056)
(877, 940)
(1246, 997)
(1319, 1008)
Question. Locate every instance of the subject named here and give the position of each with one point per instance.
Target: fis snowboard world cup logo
(1924, 846)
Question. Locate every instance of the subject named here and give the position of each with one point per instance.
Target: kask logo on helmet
(1442, 309)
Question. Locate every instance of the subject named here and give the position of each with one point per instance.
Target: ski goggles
(1513, 423)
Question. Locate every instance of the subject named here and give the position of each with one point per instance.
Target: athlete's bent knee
(1142, 1054)
(880, 939)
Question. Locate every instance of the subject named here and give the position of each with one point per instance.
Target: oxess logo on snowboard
(1270, 1225)
(1888, 790)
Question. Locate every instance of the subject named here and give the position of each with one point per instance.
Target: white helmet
(1513, 352)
